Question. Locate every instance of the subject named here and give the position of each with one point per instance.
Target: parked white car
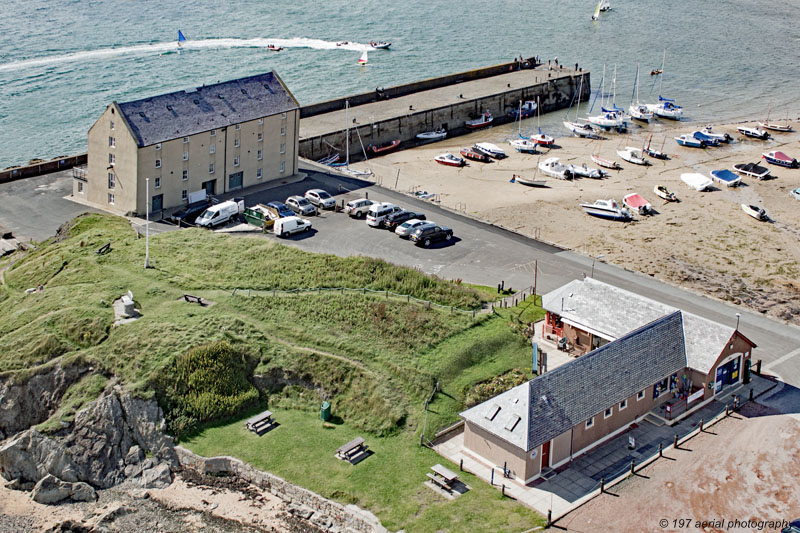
(405, 229)
(321, 199)
(289, 225)
(301, 206)
(378, 212)
(358, 208)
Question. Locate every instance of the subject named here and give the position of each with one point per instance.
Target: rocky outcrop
(51, 490)
(30, 456)
(23, 405)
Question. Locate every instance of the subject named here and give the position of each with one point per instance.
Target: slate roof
(182, 113)
(613, 312)
(569, 395)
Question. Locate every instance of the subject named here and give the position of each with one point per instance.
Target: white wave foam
(172, 46)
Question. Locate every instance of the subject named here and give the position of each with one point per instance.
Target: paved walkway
(579, 481)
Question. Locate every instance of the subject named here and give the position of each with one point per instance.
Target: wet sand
(704, 242)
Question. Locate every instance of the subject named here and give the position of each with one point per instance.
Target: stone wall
(327, 513)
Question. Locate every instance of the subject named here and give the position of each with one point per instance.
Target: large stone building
(220, 138)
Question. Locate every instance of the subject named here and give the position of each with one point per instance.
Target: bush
(492, 387)
(206, 383)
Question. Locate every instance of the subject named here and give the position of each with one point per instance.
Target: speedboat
(721, 137)
(754, 133)
(552, 167)
(492, 150)
(274, 48)
(383, 147)
(710, 141)
(690, 140)
(666, 108)
(523, 146)
(474, 155)
(450, 160)
(780, 159)
(752, 169)
(663, 192)
(606, 163)
(581, 129)
(436, 135)
(380, 45)
(696, 181)
(756, 212)
(608, 209)
(636, 202)
(633, 155)
(484, 120)
(526, 110)
(586, 172)
(726, 177)
(641, 112)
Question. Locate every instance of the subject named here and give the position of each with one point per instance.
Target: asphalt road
(480, 253)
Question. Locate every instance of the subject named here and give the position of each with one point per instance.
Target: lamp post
(593, 260)
(147, 224)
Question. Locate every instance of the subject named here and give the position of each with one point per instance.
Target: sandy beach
(704, 242)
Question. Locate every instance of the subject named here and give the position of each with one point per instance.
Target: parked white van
(220, 213)
(288, 225)
(377, 212)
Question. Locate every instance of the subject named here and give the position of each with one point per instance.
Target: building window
(608, 412)
(185, 156)
(640, 395)
(80, 186)
(589, 423)
(283, 115)
(185, 175)
(111, 198)
(236, 161)
(623, 404)
(261, 121)
(184, 194)
(258, 173)
(236, 142)
(283, 166)
(158, 163)
(186, 140)
(260, 155)
(211, 168)
(212, 148)
(111, 159)
(213, 133)
(260, 136)
(112, 124)
(283, 130)
(112, 143)
(157, 183)
(111, 180)
(237, 127)
(158, 146)
(283, 148)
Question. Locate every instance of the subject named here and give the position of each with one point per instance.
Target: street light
(147, 224)
(593, 260)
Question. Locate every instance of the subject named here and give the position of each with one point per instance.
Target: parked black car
(428, 234)
(186, 216)
(395, 219)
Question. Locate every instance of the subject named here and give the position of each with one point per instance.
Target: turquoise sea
(63, 61)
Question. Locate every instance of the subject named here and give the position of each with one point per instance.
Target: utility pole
(535, 272)
(147, 224)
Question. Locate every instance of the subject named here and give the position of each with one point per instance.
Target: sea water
(63, 61)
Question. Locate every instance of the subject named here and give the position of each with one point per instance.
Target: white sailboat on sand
(638, 110)
(776, 126)
(581, 129)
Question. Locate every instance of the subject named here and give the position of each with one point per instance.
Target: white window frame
(260, 154)
(112, 159)
(157, 182)
(158, 146)
(623, 404)
(211, 168)
(112, 180)
(237, 127)
(80, 187)
(112, 142)
(283, 166)
(260, 136)
(212, 149)
(184, 194)
(158, 163)
(589, 423)
(640, 395)
(261, 121)
(259, 173)
(283, 130)
(185, 175)
(213, 133)
(236, 160)
(112, 124)
(186, 140)
(236, 142)
(185, 156)
(111, 198)
(283, 148)
(283, 115)
(608, 413)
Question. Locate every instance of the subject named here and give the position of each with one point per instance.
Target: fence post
(234, 292)
(387, 294)
(364, 291)
(751, 394)
(319, 290)
(491, 479)
(701, 425)
(452, 310)
(549, 517)
(675, 441)
(503, 490)
(408, 298)
(633, 466)
(248, 293)
(274, 293)
(603, 484)
(661, 449)
(751, 390)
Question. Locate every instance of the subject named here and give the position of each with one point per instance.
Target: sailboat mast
(347, 135)
(614, 86)
(577, 107)
(661, 81)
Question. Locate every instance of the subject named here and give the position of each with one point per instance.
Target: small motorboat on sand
(689, 140)
(753, 133)
(696, 181)
(633, 155)
(450, 160)
(780, 159)
(583, 171)
(663, 192)
(726, 177)
(710, 141)
(523, 146)
(754, 170)
(383, 147)
(721, 137)
(541, 139)
(436, 135)
(529, 182)
(756, 212)
(795, 193)
(481, 122)
(473, 155)
(492, 150)
(552, 167)
(606, 163)
(581, 129)
(608, 209)
(636, 202)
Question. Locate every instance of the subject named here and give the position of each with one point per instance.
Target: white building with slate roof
(652, 358)
(222, 138)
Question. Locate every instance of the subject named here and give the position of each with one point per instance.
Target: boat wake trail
(172, 47)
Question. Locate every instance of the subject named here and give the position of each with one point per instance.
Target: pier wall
(40, 168)
(553, 94)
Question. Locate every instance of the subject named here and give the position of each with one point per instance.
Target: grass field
(375, 359)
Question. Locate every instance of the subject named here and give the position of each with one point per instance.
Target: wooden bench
(104, 249)
(260, 423)
(352, 449)
(193, 299)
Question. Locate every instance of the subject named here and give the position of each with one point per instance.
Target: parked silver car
(358, 208)
(301, 206)
(321, 199)
(405, 229)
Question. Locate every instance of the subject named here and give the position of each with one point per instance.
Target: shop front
(728, 373)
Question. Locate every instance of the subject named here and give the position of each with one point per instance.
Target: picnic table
(352, 449)
(259, 423)
(443, 477)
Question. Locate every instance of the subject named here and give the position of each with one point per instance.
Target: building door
(235, 181)
(210, 187)
(157, 204)
(545, 455)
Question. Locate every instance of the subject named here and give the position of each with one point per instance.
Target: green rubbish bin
(325, 411)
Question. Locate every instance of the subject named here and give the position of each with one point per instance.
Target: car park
(398, 217)
(320, 199)
(186, 215)
(378, 212)
(301, 206)
(426, 235)
(358, 208)
(405, 229)
(281, 209)
(289, 225)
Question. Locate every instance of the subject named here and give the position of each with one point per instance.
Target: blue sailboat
(181, 38)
